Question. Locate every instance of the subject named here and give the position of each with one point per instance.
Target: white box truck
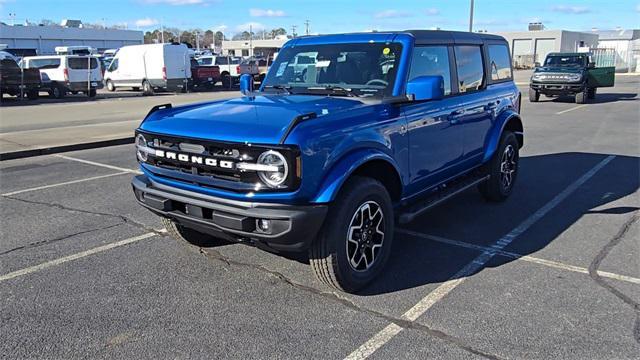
(150, 67)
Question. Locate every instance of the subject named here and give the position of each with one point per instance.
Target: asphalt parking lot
(552, 273)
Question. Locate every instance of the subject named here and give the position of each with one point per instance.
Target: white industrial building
(44, 39)
(256, 47)
(626, 44)
(529, 47)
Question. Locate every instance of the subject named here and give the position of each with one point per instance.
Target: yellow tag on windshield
(386, 51)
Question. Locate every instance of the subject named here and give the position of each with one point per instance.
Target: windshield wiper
(285, 88)
(334, 88)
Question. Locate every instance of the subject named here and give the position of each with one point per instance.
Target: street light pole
(471, 17)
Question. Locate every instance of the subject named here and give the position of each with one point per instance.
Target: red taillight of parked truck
(65, 72)
(164, 73)
(238, 69)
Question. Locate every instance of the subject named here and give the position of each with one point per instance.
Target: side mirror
(536, 64)
(591, 65)
(246, 84)
(426, 88)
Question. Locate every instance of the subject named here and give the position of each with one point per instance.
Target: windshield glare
(564, 61)
(366, 70)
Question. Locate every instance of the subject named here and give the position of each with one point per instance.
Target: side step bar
(439, 197)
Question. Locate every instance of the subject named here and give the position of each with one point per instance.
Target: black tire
(226, 81)
(147, 89)
(33, 94)
(110, 86)
(591, 93)
(496, 189)
(190, 236)
(329, 252)
(57, 91)
(135, 88)
(92, 93)
(534, 95)
(581, 97)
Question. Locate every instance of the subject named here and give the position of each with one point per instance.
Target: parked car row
(147, 68)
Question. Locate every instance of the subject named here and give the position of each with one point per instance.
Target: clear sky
(330, 16)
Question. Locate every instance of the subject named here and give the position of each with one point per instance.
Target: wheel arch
(369, 163)
(509, 121)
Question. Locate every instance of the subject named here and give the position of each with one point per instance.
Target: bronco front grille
(208, 163)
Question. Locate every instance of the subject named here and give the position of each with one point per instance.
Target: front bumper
(292, 227)
(557, 88)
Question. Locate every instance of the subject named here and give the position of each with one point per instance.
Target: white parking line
(573, 108)
(63, 183)
(475, 265)
(133, 171)
(76, 256)
(516, 256)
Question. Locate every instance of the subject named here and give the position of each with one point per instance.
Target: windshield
(364, 70)
(571, 61)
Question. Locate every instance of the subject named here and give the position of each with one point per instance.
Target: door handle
(454, 117)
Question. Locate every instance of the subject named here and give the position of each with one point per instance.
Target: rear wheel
(534, 95)
(355, 241)
(32, 94)
(147, 89)
(57, 91)
(502, 169)
(110, 86)
(190, 236)
(226, 81)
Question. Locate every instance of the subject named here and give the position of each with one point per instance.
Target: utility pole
(162, 31)
(306, 24)
(293, 30)
(250, 40)
(471, 17)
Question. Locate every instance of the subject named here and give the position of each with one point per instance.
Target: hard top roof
(421, 37)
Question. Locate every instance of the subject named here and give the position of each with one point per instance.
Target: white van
(62, 74)
(150, 67)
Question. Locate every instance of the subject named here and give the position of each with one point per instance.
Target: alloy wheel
(365, 236)
(508, 167)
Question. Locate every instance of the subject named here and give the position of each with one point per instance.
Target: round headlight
(141, 146)
(277, 160)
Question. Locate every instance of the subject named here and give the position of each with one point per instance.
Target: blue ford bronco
(348, 135)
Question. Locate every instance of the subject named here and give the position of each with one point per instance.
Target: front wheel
(534, 95)
(502, 169)
(581, 97)
(355, 241)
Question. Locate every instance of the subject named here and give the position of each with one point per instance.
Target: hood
(260, 120)
(558, 69)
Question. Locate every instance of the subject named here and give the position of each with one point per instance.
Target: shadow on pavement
(416, 262)
(601, 98)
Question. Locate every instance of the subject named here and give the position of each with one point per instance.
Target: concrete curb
(64, 148)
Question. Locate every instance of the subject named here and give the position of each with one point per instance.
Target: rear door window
(222, 60)
(429, 61)
(499, 62)
(469, 67)
(79, 63)
(52, 63)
